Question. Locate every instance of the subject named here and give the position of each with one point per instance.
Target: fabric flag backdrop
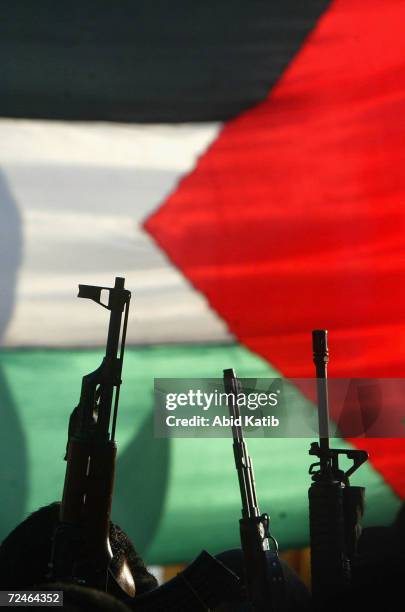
(236, 238)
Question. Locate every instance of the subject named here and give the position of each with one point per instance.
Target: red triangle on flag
(294, 218)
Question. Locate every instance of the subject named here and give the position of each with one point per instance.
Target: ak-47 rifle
(263, 571)
(81, 549)
(335, 507)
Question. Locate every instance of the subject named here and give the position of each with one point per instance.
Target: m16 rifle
(81, 549)
(263, 571)
(335, 507)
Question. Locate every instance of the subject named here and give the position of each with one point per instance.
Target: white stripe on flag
(82, 192)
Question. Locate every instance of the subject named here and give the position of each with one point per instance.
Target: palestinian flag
(252, 191)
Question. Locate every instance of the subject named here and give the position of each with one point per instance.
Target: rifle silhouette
(335, 507)
(81, 548)
(263, 571)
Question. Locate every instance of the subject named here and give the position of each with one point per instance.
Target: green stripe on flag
(173, 497)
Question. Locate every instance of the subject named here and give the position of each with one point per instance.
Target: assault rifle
(81, 549)
(335, 507)
(263, 572)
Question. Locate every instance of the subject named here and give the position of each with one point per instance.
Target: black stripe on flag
(146, 61)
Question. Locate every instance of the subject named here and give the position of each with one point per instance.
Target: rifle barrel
(321, 359)
(263, 572)
(243, 462)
